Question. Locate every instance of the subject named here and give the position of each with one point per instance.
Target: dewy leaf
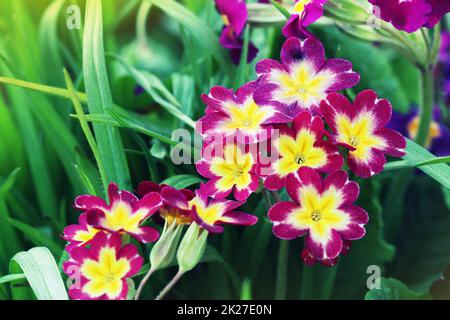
(42, 273)
(392, 289)
(99, 96)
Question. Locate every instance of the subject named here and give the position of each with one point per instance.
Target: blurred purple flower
(305, 13)
(408, 124)
(411, 15)
(234, 15)
(444, 66)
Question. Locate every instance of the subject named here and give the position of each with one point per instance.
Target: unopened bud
(191, 248)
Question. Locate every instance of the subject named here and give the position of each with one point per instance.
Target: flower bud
(191, 248)
(163, 251)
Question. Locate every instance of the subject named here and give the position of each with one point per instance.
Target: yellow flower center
(298, 152)
(316, 216)
(105, 275)
(319, 213)
(303, 84)
(359, 133)
(233, 168)
(121, 217)
(248, 117)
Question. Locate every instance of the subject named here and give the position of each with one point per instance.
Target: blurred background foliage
(171, 55)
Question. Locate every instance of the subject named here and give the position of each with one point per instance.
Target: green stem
(170, 285)
(307, 282)
(283, 255)
(426, 107)
(328, 277)
(142, 284)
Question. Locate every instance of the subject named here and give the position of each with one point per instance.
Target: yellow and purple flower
(100, 272)
(234, 15)
(229, 114)
(79, 234)
(304, 13)
(303, 79)
(411, 15)
(210, 213)
(360, 127)
(322, 211)
(407, 124)
(175, 206)
(301, 145)
(124, 214)
(231, 167)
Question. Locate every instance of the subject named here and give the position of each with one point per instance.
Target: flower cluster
(286, 129)
(101, 259)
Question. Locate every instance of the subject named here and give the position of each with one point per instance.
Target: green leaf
(36, 236)
(182, 181)
(13, 278)
(370, 250)
(99, 96)
(417, 154)
(135, 124)
(42, 273)
(423, 239)
(392, 289)
(198, 29)
(156, 89)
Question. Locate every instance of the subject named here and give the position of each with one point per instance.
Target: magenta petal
(151, 202)
(175, 198)
(353, 232)
(146, 234)
(357, 214)
(88, 202)
(239, 218)
(279, 214)
(366, 169)
(395, 142)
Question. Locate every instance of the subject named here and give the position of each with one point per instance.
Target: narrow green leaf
(416, 154)
(13, 278)
(42, 273)
(156, 89)
(182, 181)
(36, 236)
(99, 96)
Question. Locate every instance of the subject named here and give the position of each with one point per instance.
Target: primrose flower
(301, 145)
(411, 15)
(361, 128)
(210, 213)
(229, 114)
(124, 214)
(234, 15)
(438, 141)
(101, 271)
(322, 211)
(305, 13)
(230, 168)
(303, 79)
(175, 206)
(79, 234)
